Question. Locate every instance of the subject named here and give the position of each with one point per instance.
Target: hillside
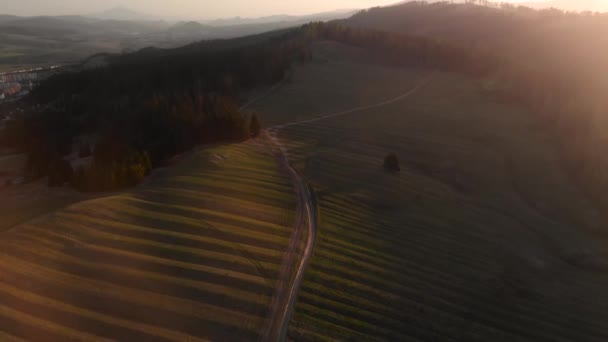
(530, 38)
(193, 255)
(481, 236)
(579, 5)
(562, 85)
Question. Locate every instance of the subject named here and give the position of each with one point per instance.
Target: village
(15, 85)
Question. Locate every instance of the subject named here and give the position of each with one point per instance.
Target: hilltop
(526, 37)
(578, 5)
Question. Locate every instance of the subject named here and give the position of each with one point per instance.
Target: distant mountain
(568, 5)
(56, 27)
(190, 28)
(122, 13)
(323, 16)
(7, 18)
(44, 40)
(571, 5)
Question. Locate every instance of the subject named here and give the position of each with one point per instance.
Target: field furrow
(192, 255)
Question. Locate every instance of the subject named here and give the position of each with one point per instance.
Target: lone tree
(391, 163)
(254, 126)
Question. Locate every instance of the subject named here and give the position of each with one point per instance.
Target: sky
(191, 9)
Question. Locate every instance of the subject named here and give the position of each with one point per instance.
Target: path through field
(481, 236)
(398, 98)
(290, 279)
(283, 308)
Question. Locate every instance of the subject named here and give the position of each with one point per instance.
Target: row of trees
(405, 50)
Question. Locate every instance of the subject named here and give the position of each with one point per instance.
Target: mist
(191, 9)
(185, 9)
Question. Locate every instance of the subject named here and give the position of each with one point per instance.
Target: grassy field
(192, 255)
(22, 52)
(480, 237)
(10, 54)
(20, 203)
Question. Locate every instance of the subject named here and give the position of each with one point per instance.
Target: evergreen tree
(254, 126)
(391, 163)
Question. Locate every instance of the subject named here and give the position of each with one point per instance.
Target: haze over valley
(50, 39)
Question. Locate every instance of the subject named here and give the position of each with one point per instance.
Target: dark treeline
(406, 50)
(565, 102)
(146, 107)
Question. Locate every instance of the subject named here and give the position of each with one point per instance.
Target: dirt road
(306, 217)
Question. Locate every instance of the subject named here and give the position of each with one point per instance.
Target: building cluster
(10, 89)
(19, 77)
(17, 84)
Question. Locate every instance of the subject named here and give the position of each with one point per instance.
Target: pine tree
(391, 163)
(254, 126)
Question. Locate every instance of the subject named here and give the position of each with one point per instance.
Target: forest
(146, 107)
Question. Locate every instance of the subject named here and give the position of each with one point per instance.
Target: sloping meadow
(481, 236)
(193, 255)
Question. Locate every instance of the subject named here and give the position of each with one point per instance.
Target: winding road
(283, 303)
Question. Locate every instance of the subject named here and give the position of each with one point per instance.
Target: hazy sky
(193, 9)
(185, 8)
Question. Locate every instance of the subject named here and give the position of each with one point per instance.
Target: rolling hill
(123, 14)
(44, 41)
(195, 254)
(531, 44)
(480, 237)
(581, 5)
(521, 36)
